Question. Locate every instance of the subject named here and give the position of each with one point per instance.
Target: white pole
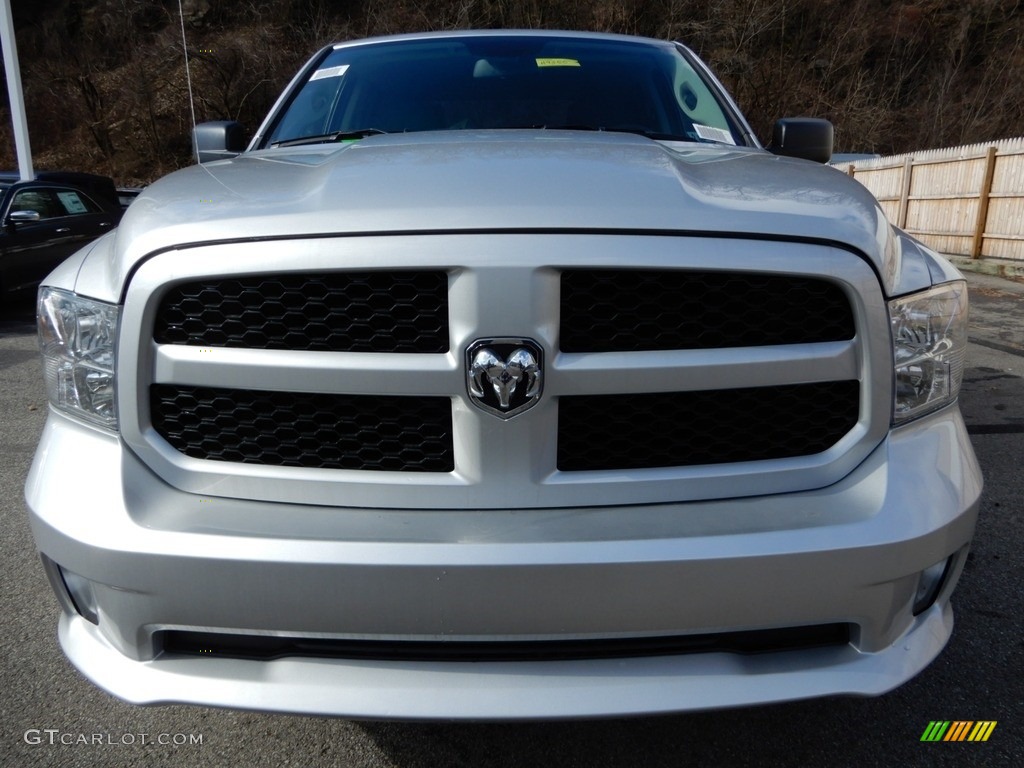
(14, 92)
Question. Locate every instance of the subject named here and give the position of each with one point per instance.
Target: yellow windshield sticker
(557, 63)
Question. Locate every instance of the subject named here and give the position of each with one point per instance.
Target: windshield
(489, 82)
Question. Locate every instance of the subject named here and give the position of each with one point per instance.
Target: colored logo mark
(958, 730)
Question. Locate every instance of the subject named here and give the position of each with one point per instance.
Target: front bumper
(158, 559)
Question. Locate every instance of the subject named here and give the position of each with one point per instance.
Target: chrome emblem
(504, 376)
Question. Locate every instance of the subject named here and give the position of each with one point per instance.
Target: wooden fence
(967, 201)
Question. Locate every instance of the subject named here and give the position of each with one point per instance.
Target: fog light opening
(82, 596)
(929, 584)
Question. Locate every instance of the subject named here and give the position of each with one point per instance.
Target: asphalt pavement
(49, 715)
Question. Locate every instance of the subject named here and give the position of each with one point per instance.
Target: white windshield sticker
(72, 202)
(708, 133)
(322, 74)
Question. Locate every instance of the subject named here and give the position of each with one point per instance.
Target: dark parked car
(45, 221)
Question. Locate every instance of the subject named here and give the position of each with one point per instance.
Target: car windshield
(516, 81)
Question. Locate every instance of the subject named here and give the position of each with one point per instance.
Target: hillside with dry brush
(106, 90)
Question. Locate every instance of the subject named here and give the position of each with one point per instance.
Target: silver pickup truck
(503, 375)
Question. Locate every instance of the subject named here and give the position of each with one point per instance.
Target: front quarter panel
(66, 274)
(919, 267)
(91, 272)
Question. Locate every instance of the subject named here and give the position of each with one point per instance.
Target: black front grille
(295, 429)
(678, 429)
(627, 310)
(264, 648)
(335, 312)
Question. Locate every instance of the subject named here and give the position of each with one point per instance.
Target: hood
(504, 180)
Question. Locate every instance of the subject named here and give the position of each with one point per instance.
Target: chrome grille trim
(505, 285)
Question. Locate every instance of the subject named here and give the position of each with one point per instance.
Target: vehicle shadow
(801, 733)
(17, 314)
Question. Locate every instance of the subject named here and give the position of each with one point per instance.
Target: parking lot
(51, 716)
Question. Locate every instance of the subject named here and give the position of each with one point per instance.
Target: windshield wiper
(329, 137)
(647, 133)
(637, 130)
(667, 136)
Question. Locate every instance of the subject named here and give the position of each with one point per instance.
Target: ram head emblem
(504, 376)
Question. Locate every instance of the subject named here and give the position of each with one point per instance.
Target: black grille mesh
(337, 312)
(677, 429)
(295, 429)
(620, 310)
(265, 648)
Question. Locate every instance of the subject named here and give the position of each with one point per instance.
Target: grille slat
(629, 310)
(678, 429)
(335, 312)
(296, 429)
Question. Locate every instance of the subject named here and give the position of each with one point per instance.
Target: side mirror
(218, 140)
(808, 138)
(23, 217)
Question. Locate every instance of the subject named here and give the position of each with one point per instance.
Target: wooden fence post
(983, 198)
(908, 168)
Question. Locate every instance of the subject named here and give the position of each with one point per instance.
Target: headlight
(929, 333)
(77, 337)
